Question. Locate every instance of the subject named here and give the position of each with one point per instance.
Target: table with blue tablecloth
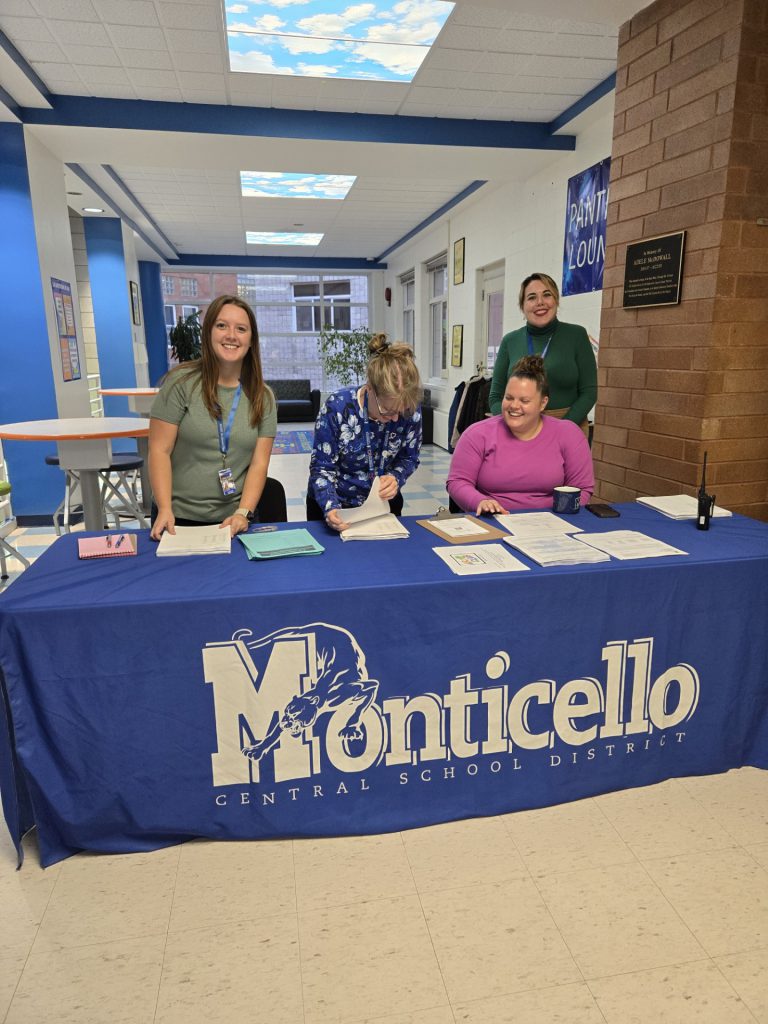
(368, 689)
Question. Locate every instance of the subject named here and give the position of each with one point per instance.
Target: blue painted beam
(468, 191)
(269, 122)
(24, 66)
(595, 94)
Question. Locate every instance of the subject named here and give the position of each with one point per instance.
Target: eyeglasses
(393, 413)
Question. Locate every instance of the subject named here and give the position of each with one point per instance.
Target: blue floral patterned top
(338, 469)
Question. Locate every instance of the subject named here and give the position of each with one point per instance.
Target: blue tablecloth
(373, 689)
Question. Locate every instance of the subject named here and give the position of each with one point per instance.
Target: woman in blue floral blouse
(362, 433)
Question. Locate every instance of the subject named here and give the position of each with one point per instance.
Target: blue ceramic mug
(566, 500)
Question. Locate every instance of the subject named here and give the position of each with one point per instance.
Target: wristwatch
(245, 513)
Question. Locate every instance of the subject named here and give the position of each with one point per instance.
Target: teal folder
(281, 544)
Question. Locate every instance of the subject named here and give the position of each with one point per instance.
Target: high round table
(84, 446)
(139, 399)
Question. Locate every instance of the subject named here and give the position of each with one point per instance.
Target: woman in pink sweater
(515, 460)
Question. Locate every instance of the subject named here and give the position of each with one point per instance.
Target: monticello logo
(269, 695)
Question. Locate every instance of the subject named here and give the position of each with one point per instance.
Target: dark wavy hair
(532, 368)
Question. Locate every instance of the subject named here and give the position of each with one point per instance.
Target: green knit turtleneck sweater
(569, 362)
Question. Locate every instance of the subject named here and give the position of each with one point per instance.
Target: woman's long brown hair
(207, 366)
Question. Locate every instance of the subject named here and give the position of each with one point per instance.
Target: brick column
(690, 151)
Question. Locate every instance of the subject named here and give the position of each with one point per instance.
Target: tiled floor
(644, 906)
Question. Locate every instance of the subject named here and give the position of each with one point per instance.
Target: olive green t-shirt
(196, 459)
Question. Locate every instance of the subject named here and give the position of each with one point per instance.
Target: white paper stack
(556, 550)
(372, 520)
(680, 506)
(196, 540)
(537, 524)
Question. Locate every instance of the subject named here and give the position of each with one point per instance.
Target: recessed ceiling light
(92, 209)
(372, 41)
(282, 238)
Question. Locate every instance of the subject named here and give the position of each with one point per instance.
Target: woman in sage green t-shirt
(212, 427)
(565, 348)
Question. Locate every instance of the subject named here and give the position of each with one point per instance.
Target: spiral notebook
(108, 545)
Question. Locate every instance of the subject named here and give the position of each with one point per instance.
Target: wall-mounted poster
(458, 261)
(135, 305)
(586, 213)
(65, 325)
(457, 344)
(653, 271)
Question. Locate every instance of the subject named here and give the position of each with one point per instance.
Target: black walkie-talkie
(706, 501)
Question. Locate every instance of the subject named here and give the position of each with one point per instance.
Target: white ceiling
(494, 61)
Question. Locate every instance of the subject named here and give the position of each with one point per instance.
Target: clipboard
(484, 531)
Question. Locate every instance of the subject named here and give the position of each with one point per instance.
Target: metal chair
(119, 492)
(272, 506)
(7, 523)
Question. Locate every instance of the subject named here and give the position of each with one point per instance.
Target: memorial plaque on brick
(653, 271)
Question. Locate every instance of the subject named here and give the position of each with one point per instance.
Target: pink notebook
(109, 545)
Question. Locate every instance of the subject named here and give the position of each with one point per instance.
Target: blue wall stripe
(435, 216)
(121, 184)
(600, 90)
(88, 180)
(27, 390)
(26, 69)
(269, 122)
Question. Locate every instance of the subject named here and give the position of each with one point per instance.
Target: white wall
(140, 358)
(521, 223)
(54, 248)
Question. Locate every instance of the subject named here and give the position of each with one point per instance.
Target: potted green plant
(344, 354)
(185, 338)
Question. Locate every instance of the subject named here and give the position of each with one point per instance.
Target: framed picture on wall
(457, 344)
(458, 261)
(135, 306)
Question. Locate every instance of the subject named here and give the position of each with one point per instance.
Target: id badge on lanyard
(226, 479)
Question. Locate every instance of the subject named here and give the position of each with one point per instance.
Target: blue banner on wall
(585, 219)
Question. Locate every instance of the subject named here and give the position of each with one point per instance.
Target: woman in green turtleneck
(565, 348)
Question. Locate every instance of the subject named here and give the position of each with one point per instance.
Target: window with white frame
(169, 284)
(437, 290)
(322, 303)
(189, 287)
(408, 295)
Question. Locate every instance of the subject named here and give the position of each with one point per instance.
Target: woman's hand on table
(165, 521)
(236, 523)
(488, 506)
(387, 487)
(334, 520)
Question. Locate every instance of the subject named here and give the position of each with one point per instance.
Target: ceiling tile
(145, 58)
(191, 41)
(71, 10)
(152, 78)
(85, 32)
(208, 62)
(118, 12)
(98, 75)
(182, 15)
(101, 55)
(23, 29)
(34, 51)
(135, 37)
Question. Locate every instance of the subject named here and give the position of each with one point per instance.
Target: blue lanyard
(371, 471)
(224, 432)
(546, 347)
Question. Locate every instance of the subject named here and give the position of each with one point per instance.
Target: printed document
(626, 544)
(555, 549)
(372, 520)
(196, 540)
(477, 559)
(537, 524)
